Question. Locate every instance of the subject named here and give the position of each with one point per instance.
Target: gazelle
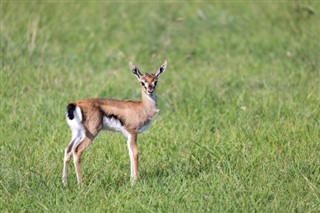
(88, 117)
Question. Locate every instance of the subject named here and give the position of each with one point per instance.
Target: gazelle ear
(161, 69)
(135, 70)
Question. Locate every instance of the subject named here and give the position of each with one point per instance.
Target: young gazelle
(88, 117)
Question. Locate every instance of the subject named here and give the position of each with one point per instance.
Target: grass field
(239, 122)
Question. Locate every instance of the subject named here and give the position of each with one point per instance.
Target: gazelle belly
(112, 124)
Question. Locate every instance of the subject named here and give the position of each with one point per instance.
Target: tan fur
(132, 115)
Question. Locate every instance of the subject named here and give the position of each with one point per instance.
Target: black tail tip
(70, 109)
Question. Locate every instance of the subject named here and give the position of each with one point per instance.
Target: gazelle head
(148, 81)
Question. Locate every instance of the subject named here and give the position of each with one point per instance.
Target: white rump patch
(75, 123)
(76, 126)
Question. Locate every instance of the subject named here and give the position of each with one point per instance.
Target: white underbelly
(113, 124)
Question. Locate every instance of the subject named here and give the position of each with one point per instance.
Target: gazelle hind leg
(77, 152)
(67, 154)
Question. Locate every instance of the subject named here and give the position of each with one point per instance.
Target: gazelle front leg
(133, 154)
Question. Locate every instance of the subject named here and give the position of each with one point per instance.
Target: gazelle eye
(155, 83)
(142, 83)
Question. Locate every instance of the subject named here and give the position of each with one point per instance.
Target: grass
(238, 129)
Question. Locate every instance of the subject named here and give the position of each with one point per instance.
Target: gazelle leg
(76, 137)
(67, 155)
(134, 155)
(77, 152)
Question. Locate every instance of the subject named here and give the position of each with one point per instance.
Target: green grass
(239, 122)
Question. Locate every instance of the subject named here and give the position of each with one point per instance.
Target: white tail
(88, 117)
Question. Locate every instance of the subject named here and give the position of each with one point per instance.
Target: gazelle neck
(149, 106)
(149, 99)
